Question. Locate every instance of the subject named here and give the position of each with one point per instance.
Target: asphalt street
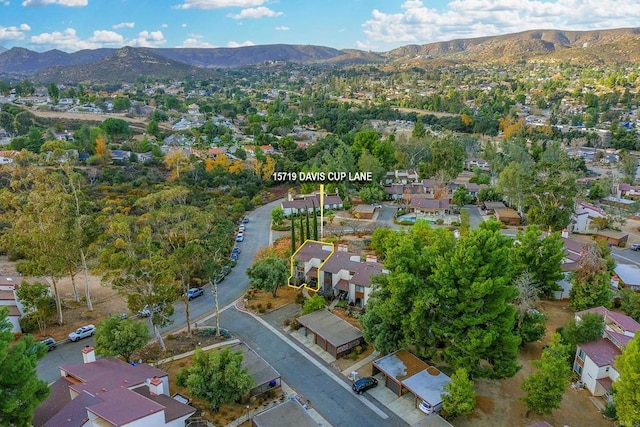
(328, 392)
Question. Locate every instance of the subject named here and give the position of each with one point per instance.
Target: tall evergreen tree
(315, 222)
(308, 228)
(21, 391)
(293, 236)
(475, 315)
(302, 236)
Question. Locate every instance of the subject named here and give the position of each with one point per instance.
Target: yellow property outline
(292, 259)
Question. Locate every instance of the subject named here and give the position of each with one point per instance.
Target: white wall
(589, 374)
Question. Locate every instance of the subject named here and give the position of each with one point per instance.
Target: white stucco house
(584, 214)
(594, 360)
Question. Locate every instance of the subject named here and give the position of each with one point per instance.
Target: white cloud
(124, 25)
(242, 44)
(255, 13)
(148, 39)
(164, 25)
(475, 18)
(6, 3)
(217, 4)
(106, 37)
(13, 32)
(282, 28)
(184, 25)
(196, 40)
(67, 3)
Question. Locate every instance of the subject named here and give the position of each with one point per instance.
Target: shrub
(269, 305)
(358, 349)
(287, 322)
(28, 324)
(259, 305)
(261, 310)
(341, 304)
(610, 411)
(170, 336)
(353, 355)
(300, 298)
(252, 306)
(295, 325)
(439, 221)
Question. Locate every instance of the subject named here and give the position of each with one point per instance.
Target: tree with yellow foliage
(101, 149)
(510, 126)
(264, 169)
(177, 162)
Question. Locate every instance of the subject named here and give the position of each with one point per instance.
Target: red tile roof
(625, 322)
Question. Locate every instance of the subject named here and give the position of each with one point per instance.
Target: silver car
(82, 332)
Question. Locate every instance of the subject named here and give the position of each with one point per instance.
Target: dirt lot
(106, 301)
(498, 402)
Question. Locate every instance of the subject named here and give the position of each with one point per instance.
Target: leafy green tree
(116, 129)
(277, 215)
(54, 92)
(591, 282)
(541, 257)
(545, 388)
(21, 391)
(37, 302)
(121, 103)
(628, 165)
(597, 191)
(459, 397)
(120, 337)
(552, 197)
(153, 128)
(514, 182)
(217, 377)
(626, 388)
(446, 159)
(419, 130)
(630, 303)
(269, 274)
(475, 290)
(461, 196)
(589, 328)
(315, 303)
(372, 193)
(531, 328)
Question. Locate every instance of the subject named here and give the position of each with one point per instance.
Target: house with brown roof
(306, 203)
(622, 190)
(402, 176)
(348, 276)
(507, 216)
(593, 361)
(305, 263)
(8, 299)
(109, 392)
(430, 206)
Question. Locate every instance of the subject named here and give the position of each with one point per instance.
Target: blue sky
(377, 25)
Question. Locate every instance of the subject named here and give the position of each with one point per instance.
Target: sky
(376, 25)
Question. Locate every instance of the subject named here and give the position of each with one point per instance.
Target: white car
(82, 332)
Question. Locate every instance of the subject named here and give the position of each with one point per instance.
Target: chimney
(88, 355)
(156, 386)
(342, 247)
(372, 258)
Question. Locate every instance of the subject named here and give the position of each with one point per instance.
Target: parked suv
(50, 343)
(363, 384)
(82, 332)
(635, 247)
(194, 293)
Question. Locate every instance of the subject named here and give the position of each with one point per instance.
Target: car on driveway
(50, 343)
(363, 384)
(82, 332)
(195, 293)
(635, 247)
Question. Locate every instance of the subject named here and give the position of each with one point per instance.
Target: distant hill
(2, 49)
(618, 45)
(124, 65)
(120, 65)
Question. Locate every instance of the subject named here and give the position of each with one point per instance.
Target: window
(359, 288)
(581, 354)
(607, 369)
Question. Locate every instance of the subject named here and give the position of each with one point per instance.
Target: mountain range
(125, 64)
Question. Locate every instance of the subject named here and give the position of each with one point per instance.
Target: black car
(50, 343)
(363, 384)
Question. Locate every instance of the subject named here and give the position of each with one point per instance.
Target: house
(305, 263)
(306, 203)
(622, 190)
(507, 216)
(289, 413)
(584, 214)
(430, 206)
(345, 274)
(363, 211)
(332, 333)
(8, 299)
(404, 372)
(109, 392)
(613, 237)
(628, 275)
(394, 191)
(594, 360)
(120, 155)
(574, 252)
(406, 176)
(475, 162)
(490, 206)
(265, 376)
(7, 156)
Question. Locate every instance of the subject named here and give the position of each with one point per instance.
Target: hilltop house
(593, 361)
(109, 392)
(622, 190)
